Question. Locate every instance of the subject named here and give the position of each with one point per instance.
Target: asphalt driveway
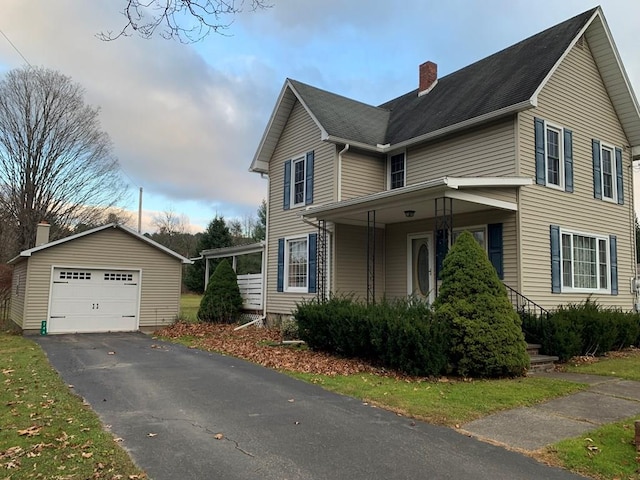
(272, 426)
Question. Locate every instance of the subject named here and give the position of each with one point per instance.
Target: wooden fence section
(251, 291)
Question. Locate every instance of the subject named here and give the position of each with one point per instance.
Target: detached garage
(108, 279)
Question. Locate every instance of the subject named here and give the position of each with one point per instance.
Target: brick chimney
(42, 233)
(428, 77)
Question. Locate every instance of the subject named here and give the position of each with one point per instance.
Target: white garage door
(91, 300)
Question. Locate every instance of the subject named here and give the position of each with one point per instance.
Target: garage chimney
(428, 77)
(42, 233)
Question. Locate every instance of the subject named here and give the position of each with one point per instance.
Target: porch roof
(233, 251)
(390, 206)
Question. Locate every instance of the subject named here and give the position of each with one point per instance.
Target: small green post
(43, 327)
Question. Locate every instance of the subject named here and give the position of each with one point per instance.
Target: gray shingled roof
(343, 117)
(501, 80)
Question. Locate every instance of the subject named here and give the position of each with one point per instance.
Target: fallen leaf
(218, 436)
(291, 400)
(87, 454)
(32, 431)
(111, 353)
(118, 439)
(152, 434)
(8, 371)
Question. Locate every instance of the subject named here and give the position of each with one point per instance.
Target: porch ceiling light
(409, 213)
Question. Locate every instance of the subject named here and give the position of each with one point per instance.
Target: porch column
(371, 256)
(443, 232)
(206, 272)
(322, 260)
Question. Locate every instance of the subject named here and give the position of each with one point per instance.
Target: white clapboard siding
(251, 290)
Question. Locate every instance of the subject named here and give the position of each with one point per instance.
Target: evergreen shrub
(483, 327)
(222, 301)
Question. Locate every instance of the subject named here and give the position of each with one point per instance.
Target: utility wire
(15, 48)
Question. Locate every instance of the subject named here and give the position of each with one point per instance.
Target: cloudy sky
(186, 119)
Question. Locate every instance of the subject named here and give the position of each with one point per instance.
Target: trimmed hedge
(583, 329)
(402, 334)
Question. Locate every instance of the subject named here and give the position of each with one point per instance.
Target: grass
(623, 365)
(189, 304)
(447, 403)
(45, 430)
(605, 453)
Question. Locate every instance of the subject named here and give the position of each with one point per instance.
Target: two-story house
(530, 149)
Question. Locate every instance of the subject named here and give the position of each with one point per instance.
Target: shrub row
(402, 335)
(583, 329)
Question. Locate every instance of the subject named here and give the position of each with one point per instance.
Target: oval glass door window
(422, 269)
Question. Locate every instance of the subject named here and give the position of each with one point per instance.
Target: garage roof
(133, 233)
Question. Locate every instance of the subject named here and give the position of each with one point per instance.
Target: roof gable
(142, 238)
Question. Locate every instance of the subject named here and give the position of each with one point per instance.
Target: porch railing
(530, 312)
(251, 290)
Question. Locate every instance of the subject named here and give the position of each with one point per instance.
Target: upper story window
(297, 192)
(397, 171)
(608, 182)
(553, 155)
(298, 181)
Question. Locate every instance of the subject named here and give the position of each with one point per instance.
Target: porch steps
(539, 363)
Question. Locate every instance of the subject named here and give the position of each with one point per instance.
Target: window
(298, 181)
(74, 275)
(296, 263)
(479, 233)
(397, 171)
(608, 181)
(553, 155)
(585, 262)
(297, 191)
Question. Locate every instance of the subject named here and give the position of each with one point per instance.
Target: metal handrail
(528, 308)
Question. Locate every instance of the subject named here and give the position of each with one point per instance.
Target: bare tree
(169, 222)
(56, 164)
(185, 20)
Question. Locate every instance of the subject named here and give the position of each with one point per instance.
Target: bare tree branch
(56, 163)
(187, 21)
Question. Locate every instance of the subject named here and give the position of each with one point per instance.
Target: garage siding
(18, 287)
(161, 275)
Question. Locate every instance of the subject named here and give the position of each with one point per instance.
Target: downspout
(340, 153)
(265, 253)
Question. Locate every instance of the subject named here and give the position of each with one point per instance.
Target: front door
(420, 282)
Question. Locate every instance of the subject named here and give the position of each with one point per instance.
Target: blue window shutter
(556, 273)
(541, 174)
(313, 262)
(613, 247)
(280, 265)
(495, 249)
(287, 185)
(568, 160)
(619, 176)
(442, 247)
(309, 179)
(597, 180)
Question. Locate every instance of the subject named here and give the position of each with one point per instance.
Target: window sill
(296, 290)
(585, 290)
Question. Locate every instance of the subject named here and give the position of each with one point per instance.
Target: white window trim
(563, 288)
(560, 130)
(286, 287)
(614, 176)
(404, 179)
(292, 193)
(474, 227)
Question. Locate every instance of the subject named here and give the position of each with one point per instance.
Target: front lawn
(623, 364)
(45, 430)
(189, 304)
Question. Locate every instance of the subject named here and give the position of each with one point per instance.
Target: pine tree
(222, 301)
(216, 235)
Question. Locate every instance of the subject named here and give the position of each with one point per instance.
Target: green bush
(222, 301)
(484, 329)
(585, 328)
(401, 335)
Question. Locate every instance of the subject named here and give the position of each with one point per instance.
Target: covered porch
(393, 243)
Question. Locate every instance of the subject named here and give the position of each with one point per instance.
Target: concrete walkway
(607, 400)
